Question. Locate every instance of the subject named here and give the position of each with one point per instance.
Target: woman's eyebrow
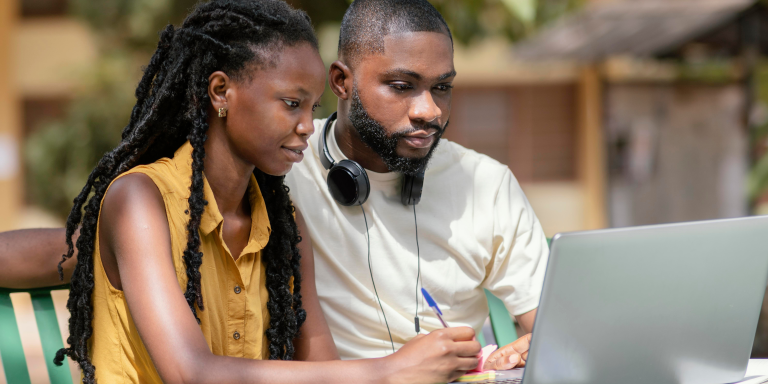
(300, 90)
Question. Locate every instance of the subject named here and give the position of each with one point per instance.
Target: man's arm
(526, 320)
(517, 270)
(30, 257)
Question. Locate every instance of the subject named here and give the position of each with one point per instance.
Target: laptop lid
(674, 303)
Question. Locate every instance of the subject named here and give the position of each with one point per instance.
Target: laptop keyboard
(499, 381)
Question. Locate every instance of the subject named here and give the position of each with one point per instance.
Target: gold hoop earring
(223, 112)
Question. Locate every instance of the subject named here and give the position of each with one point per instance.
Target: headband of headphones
(325, 158)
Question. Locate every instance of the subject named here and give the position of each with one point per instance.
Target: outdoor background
(610, 113)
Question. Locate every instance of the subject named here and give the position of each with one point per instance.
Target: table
(757, 367)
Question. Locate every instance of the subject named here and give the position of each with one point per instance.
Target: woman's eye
(291, 103)
(314, 107)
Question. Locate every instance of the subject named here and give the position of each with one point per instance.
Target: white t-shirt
(476, 230)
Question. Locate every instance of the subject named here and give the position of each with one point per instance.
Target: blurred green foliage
(758, 177)
(136, 22)
(471, 20)
(131, 25)
(60, 155)
(757, 183)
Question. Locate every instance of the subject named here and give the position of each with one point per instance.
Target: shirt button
(236, 335)
(237, 289)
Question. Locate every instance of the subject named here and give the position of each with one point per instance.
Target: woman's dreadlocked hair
(171, 108)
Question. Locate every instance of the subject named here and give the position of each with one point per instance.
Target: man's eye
(401, 87)
(314, 107)
(291, 103)
(444, 87)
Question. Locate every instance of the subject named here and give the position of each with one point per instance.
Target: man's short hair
(367, 22)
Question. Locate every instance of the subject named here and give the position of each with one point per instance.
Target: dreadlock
(171, 108)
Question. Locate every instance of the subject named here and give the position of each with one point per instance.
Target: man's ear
(340, 79)
(218, 85)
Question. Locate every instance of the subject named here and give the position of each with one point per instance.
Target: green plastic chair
(11, 351)
(501, 322)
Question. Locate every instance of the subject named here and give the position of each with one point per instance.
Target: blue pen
(434, 307)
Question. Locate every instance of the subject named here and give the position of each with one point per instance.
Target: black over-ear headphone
(348, 181)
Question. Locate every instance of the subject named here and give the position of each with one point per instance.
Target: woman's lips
(295, 155)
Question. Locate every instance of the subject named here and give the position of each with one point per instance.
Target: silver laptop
(662, 304)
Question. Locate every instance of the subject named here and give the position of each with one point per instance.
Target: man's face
(401, 99)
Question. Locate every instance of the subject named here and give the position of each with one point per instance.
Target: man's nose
(424, 108)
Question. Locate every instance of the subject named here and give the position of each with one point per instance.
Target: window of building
(530, 128)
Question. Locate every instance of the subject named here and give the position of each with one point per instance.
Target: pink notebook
(484, 354)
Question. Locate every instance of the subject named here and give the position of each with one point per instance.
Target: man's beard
(373, 135)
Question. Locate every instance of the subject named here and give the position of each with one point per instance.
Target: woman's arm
(135, 231)
(30, 257)
(314, 342)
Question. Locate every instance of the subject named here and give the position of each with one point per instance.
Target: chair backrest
(11, 350)
(501, 322)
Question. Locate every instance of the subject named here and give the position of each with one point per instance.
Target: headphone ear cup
(412, 187)
(348, 183)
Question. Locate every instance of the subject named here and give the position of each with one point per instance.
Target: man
(472, 229)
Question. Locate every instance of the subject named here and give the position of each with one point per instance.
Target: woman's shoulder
(131, 189)
(144, 185)
(132, 196)
(165, 175)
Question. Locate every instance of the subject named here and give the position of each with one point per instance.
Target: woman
(189, 254)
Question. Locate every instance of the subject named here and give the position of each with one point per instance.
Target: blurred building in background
(44, 54)
(677, 79)
(623, 113)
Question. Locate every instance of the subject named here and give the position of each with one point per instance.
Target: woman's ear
(340, 79)
(218, 85)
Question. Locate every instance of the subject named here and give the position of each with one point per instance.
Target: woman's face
(269, 118)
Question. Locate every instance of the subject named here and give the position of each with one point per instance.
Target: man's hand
(510, 356)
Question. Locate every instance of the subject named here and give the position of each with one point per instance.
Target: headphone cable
(370, 269)
(418, 271)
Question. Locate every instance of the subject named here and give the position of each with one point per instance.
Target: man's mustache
(421, 127)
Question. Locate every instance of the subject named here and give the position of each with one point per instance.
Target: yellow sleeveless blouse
(234, 292)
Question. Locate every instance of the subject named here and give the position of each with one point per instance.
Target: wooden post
(592, 161)
(10, 130)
